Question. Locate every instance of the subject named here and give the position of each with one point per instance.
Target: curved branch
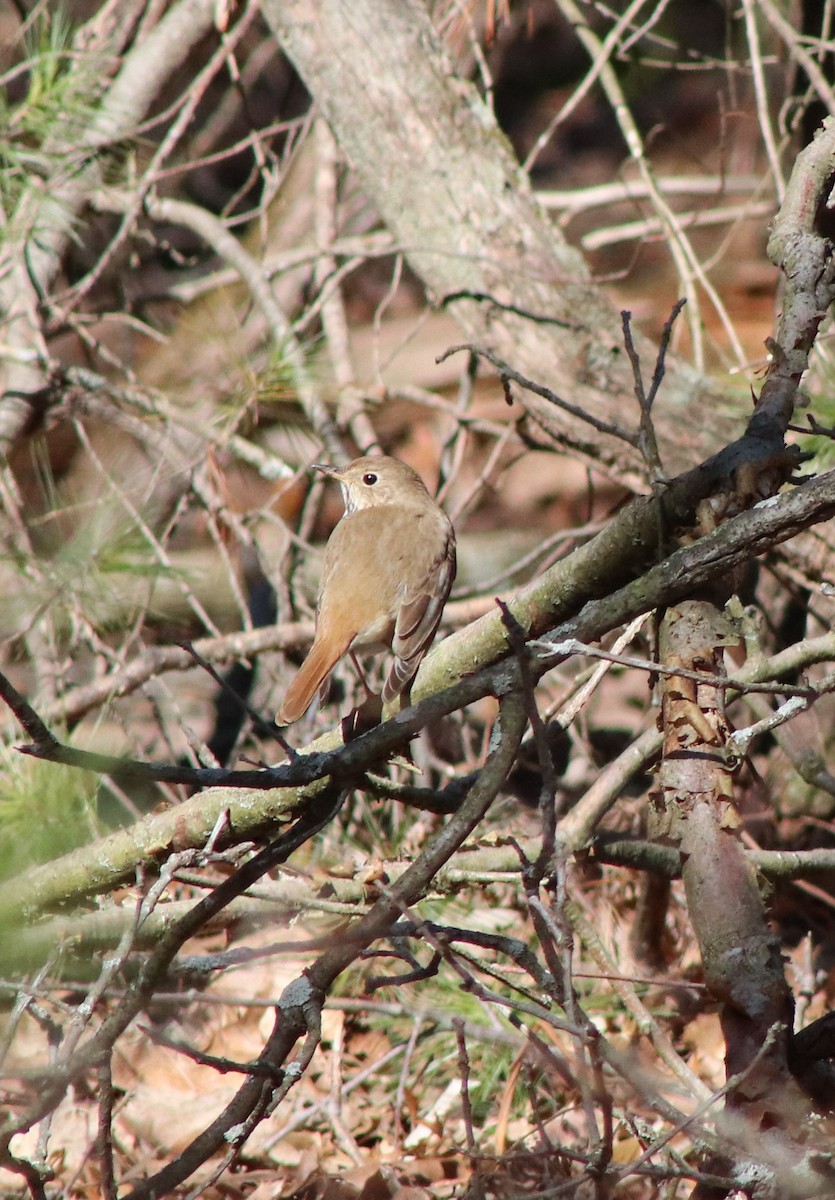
(301, 1000)
(111, 859)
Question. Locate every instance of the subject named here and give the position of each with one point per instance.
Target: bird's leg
(357, 667)
(369, 713)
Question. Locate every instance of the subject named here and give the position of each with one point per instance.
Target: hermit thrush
(388, 569)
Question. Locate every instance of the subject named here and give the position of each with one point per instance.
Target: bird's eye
(370, 478)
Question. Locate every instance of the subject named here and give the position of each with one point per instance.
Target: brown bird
(388, 569)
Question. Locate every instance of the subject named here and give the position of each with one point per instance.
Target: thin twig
(647, 441)
(508, 373)
(476, 1184)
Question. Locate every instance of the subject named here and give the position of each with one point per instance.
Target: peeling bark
(743, 967)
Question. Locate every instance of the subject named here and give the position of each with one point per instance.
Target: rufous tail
(310, 676)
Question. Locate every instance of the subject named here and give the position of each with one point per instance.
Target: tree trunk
(429, 152)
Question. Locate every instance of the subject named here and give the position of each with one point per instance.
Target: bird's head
(369, 482)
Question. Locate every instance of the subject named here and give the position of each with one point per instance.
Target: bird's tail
(307, 681)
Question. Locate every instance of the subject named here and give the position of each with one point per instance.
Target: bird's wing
(418, 618)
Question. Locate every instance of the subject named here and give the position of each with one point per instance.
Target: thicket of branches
(561, 926)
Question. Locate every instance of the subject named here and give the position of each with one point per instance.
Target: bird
(388, 569)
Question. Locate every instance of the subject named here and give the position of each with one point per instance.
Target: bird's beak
(325, 468)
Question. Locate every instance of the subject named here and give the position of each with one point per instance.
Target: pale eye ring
(370, 478)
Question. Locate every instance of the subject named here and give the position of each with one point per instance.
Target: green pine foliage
(45, 810)
(45, 123)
